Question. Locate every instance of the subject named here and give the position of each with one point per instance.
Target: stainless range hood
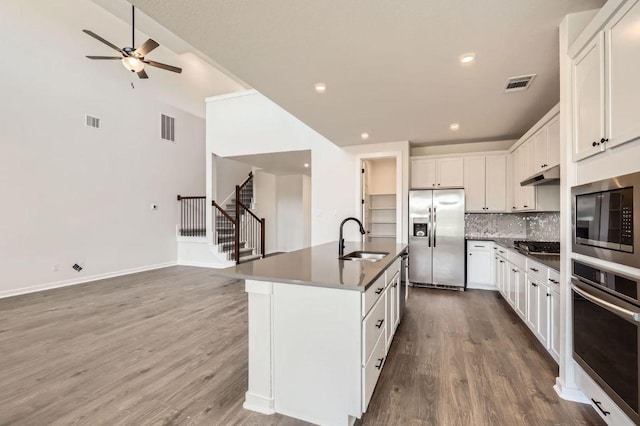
(547, 177)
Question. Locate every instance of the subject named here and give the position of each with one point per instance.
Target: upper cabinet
(437, 173)
(485, 184)
(605, 86)
(547, 146)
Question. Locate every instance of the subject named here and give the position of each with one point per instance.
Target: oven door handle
(622, 312)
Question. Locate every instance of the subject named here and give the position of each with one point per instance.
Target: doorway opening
(380, 199)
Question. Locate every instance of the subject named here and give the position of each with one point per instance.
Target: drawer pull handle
(514, 270)
(379, 290)
(395, 285)
(501, 251)
(554, 281)
(534, 284)
(379, 364)
(379, 323)
(479, 246)
(598, 404)
(534, 269)
(502, 261)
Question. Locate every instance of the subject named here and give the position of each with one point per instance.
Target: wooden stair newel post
(236, 239)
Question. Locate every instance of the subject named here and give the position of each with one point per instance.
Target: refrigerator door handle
(434, 226)
(429, 229)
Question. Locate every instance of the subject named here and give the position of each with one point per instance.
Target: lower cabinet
(554, 323)
(519, 284)
(479, 265)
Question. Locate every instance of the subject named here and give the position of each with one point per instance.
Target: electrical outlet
(55, 267)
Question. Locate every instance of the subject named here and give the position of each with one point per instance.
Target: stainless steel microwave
(605, 219)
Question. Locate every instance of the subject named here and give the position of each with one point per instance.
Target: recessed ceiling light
(320, 87)
(306, 165)
(454, 126)
(364, 135)
(467, 58)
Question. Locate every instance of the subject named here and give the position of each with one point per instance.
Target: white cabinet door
(390, 314)
(623, 58)
(479, 267)
(474, 184)
(515, 179)
(554, 324)
(588, 99)
(521, 292)
(497, 272)
(495, 183)
(543, 315)
(423, 173)
(527, 194)
(532, 304)
(540, 148)
(528, 159)
(553, 142)
(450, 172)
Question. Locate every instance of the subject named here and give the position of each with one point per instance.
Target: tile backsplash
(531, 226)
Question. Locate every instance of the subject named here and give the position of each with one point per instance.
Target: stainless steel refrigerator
(436, 237)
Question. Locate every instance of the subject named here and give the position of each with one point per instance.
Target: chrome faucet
(341, 242)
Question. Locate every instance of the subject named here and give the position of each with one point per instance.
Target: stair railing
(244, 224)
(192, 216)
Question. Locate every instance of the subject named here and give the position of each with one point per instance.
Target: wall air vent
(518, 84)
(167, 128)
(90, 121)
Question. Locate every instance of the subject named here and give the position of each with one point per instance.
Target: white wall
(293, 212)
(76, 194)
(249, 123)
(265, 189)
(382, 176)
(229, 173)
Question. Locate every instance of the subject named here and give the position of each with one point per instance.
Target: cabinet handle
(470, 254)
(501, 251)
(379, 323)
(548, 294)
(595, 143)
(502, 261)
(479, 246)
(379, 364)
(378, 291)
(395, 285)
(598, 404)
(514, 270)
(534, 284)
(534, 269)
(603, 140)
(554, 281)
(525, 206)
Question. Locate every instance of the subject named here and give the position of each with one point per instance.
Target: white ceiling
(391, 67)
(279, 163)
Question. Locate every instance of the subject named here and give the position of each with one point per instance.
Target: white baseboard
(81, 280)
(258, 404)
(570, 394)
(482, 287)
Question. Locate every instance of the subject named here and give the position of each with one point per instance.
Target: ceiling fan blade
(97, 37)
(142, 74)
(105, 57)
(163, 66)
(146, 47)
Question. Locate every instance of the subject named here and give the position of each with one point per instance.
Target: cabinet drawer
(501, 251)
(373, 326)
(392, 270)
(537, 271)
(518, 260)
(479, 245)
(615, 416)
(554, 279)
(372, 294)
(371, 372)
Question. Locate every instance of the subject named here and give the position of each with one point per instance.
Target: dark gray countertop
(319, 266)
(552, 261)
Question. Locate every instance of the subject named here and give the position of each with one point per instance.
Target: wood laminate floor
(169, 347)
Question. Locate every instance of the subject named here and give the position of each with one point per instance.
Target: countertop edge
(502, 243)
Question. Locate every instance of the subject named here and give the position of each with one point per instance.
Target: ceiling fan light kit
(133, 59)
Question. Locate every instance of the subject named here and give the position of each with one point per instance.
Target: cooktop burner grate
(539, 247)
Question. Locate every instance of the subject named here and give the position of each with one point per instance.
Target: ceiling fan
(133, 58)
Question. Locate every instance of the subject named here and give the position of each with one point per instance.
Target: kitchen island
(319, 329)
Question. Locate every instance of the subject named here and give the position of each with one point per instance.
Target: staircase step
(249, 258)
(245, 251)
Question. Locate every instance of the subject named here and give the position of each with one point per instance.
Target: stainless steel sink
(369, 256)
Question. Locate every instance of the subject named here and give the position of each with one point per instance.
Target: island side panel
(317, 353)
(259, 396)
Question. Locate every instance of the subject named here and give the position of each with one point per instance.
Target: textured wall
(531, 226)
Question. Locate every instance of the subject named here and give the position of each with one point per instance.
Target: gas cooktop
(538, 247)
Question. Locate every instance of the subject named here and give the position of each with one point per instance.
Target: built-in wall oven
(606, 332)
(604, 216)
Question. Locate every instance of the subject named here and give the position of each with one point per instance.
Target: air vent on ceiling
(90, 121)
(167, 128)
(517, 84)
